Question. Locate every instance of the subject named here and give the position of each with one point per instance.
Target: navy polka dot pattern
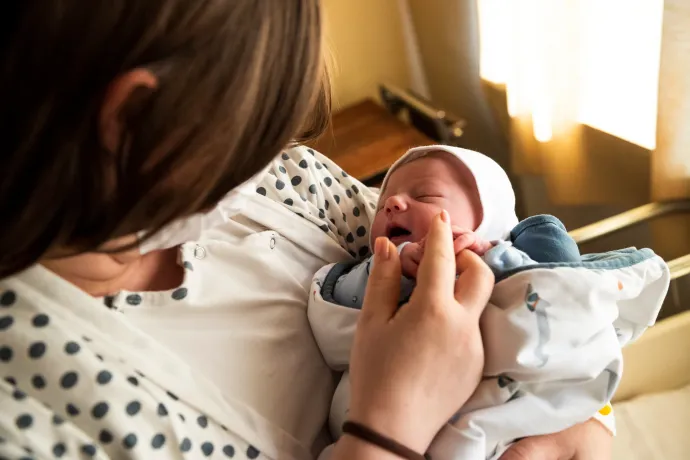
(158, 441)
(133, 408)
(100, 410)
(59, 450)
(179, 293)
(207, 449)
(38, 382)
(105, 437)
(6, 354)
(72, 348)
(133, 299)
(37, 350)
(68, 380)
(24, 421)
(129, 441)
(7, 299)
(114, 411)
(72, 410)
(6, 322)
(316, 189)
(185, 445)
(40, 320)
(104, 377)
(89, 450)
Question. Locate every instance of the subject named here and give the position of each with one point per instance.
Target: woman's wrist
(398, 427)
(349, 447)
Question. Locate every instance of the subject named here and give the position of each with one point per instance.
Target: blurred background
(586, 104)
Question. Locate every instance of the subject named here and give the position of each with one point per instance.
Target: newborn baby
(482, 211)
(554, 325)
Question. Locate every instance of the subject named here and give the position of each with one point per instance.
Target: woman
(118, 340)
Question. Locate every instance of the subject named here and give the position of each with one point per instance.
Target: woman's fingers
(475, 283)
(537, 448)
(436, 274)
(383, 287)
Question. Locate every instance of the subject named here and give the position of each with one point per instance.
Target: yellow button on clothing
(606, 410)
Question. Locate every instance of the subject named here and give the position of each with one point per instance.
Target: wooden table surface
(365, 140)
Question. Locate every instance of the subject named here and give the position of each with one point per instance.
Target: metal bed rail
(679, 267)
(438, 124)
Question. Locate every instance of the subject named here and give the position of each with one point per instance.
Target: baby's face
(418, 191)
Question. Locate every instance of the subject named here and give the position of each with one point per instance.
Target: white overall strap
(300, 231)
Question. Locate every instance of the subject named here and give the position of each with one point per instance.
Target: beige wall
(366, 40)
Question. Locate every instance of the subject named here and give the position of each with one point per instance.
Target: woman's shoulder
(314, 188)
(69, 389)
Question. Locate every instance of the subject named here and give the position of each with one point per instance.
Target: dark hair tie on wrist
(372, 437)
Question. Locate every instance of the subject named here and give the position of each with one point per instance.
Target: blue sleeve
(544, 239)
(504, 257)
(350, 286)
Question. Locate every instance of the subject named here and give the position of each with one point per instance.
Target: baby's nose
(395, 204)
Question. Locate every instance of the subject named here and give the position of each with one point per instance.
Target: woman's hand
(412, 368)
(586, 441)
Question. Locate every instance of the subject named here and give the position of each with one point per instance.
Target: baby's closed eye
(427, 191)
(429, 197)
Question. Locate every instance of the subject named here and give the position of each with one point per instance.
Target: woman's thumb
(475, 283)
(383, 287)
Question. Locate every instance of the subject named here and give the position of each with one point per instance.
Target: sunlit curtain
(582, 81)
(671, 160)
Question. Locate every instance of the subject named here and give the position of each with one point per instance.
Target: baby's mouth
(398, 234)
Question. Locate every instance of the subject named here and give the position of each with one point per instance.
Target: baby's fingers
(464, 241)
(457, 231)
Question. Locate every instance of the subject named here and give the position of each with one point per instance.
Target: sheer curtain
(671, 160)
(598, 94)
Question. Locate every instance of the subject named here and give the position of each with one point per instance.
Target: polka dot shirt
(76, 381)
(315, 188)
(64, 394)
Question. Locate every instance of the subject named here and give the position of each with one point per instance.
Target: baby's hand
(410, 257)
(467, 239)
(462, 239)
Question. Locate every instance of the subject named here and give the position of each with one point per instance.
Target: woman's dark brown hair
(238, 80)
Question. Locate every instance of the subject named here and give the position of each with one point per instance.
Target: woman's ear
(116, 97)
